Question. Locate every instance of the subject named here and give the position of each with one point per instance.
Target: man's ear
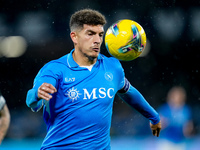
(73, 36)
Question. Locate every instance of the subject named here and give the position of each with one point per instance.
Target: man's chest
(88, 85)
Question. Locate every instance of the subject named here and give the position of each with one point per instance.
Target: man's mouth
(97, 49)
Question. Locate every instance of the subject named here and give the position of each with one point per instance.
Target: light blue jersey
(79, 114)
(176, 119)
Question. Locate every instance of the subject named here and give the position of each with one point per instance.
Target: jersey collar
(72, 64)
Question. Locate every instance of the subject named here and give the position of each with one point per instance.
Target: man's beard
(90, 58)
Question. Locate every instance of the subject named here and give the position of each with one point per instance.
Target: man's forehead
(94, 28)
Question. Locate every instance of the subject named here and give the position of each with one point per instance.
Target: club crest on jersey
(73, 94)
(108, 76)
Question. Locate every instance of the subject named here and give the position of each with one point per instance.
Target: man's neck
(83, 60)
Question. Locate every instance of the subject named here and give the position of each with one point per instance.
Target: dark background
(172, 28)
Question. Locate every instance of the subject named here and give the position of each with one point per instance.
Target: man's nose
(97, 39)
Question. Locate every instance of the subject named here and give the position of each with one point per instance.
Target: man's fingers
(45, 90)
(44, 95)
(53, 88)
(154, 132)
(50, 86)
(158, 131)
(47, 98)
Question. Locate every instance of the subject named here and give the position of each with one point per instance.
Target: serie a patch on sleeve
(2, 102)
(126, 87)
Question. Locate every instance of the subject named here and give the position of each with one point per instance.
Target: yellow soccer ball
(125, 40)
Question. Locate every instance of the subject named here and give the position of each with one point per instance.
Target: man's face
(89, 40)
(177, 98)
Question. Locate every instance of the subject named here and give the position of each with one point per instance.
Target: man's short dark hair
(86, 16)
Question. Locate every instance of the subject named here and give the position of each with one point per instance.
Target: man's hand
(45, 91)
(156, 128)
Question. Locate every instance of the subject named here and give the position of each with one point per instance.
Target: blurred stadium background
(35, 32)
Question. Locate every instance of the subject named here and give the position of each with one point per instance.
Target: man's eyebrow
(93, 32)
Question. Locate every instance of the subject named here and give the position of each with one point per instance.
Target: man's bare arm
(4, 122)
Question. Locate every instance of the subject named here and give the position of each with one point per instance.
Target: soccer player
(176, 116)
(78, 89)
(4, 118)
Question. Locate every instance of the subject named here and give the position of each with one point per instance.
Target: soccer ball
(125, 40)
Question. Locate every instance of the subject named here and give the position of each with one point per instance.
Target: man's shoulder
(111, 62)
(56, 65)
(62, 61)
(110, 59)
